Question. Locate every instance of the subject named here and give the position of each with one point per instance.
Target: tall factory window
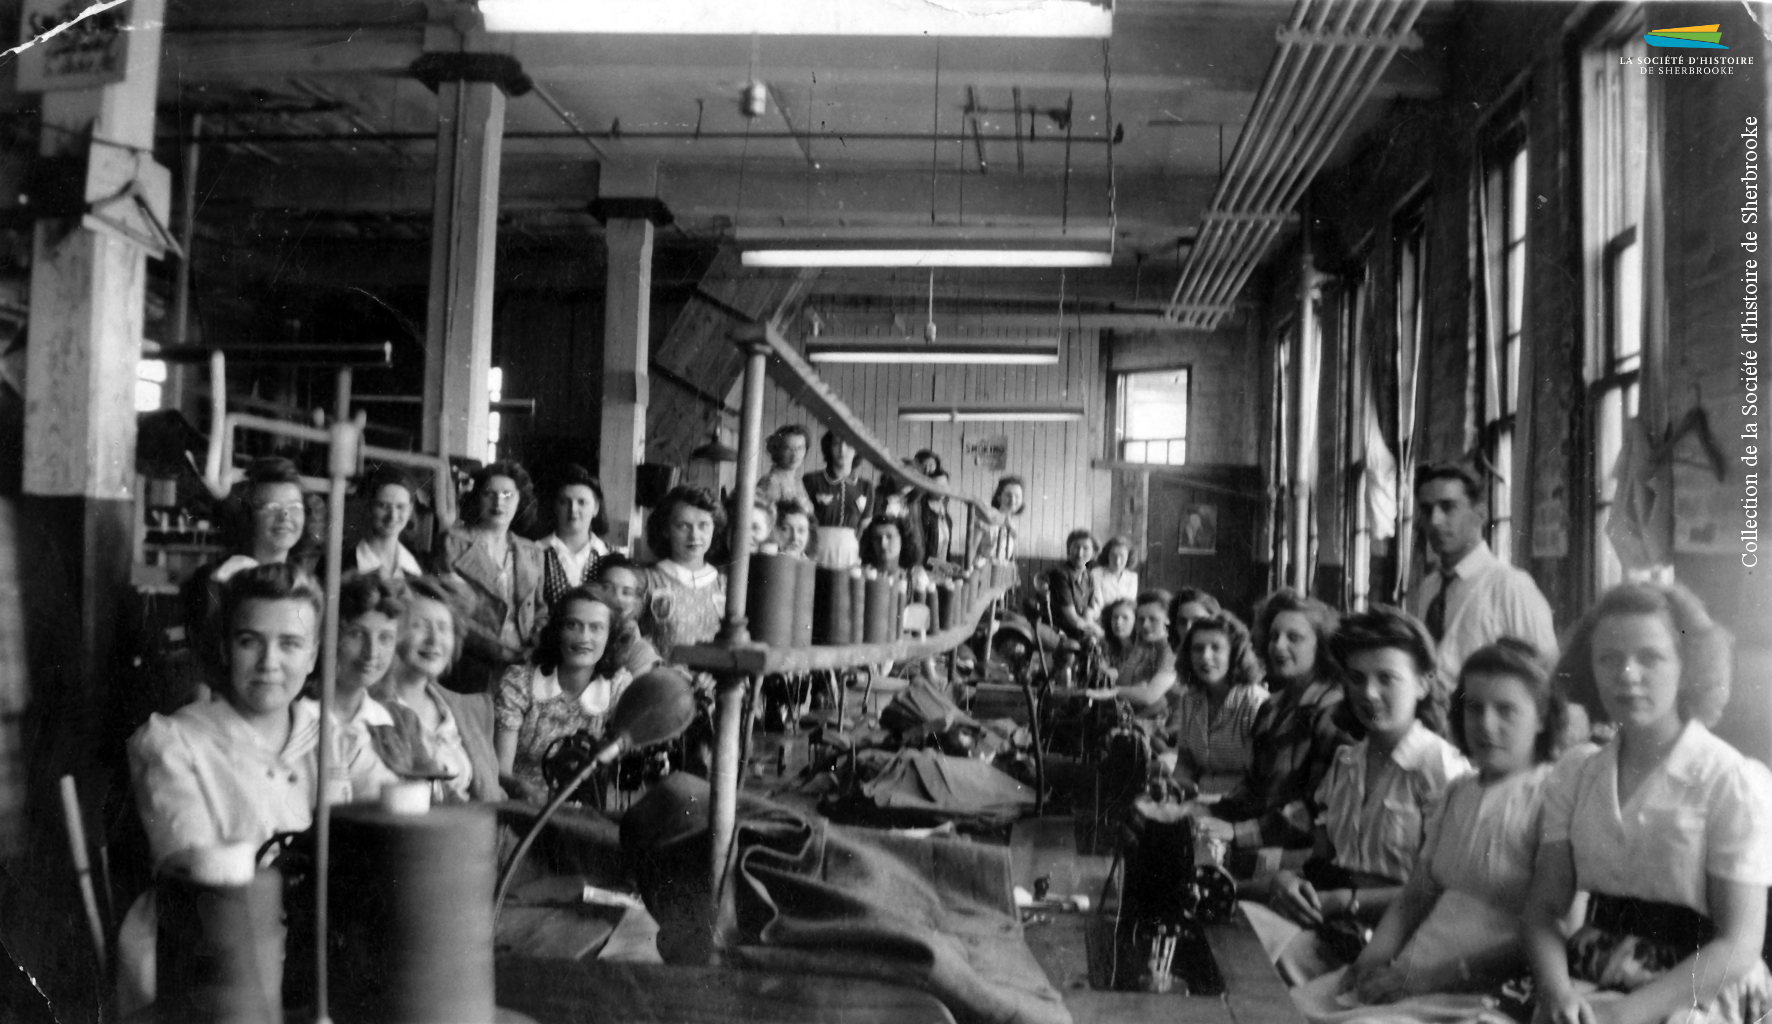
(1502, 283)
(1151, 409)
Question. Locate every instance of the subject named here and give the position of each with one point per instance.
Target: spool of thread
(944, 596)
(805, 600)
(900, 598)
(831, 614)
(406, 797)
(220, 951)
(858, 606)
(878, 624)
(411, 905)
(770, 600)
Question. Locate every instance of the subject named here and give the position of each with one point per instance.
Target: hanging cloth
(1641, 519)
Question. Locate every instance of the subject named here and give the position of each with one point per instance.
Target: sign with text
(76, 47)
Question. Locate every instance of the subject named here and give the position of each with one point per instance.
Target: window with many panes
(1151, 408)
(1502, 208)
(1614, 101)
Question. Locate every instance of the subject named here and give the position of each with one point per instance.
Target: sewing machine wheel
(1216, 891)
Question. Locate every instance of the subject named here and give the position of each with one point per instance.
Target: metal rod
(331, 355)
(345, 436)
(627, 135)
(187, 230)
(729, 697)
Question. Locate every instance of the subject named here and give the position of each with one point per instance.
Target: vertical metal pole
(342, 463)
(187, 231)
(1304, 371)
(729, 698)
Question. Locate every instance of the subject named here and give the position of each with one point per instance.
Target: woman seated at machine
(794, 534)
(380, 550)
(1119, 635)
(217, 779)
(887, 545)
(456, 727)
(620, 577)
(570, 554)
(1454, 930)
(686, 596)
(1221, 693)
(1375, 800)
(1667, 828)
(503, 572)
(1293, 742)
(570, 685)
(378, 743)
(1147, 675)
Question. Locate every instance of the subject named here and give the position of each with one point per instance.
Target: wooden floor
(1253, 994)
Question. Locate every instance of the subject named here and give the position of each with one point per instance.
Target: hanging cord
(1107, 85)
(935, 132)
(744, 152)
(1064, 221)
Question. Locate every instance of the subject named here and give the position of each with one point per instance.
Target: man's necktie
(1436, 609)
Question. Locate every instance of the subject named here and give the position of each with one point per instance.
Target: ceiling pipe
(628, 135)
(1331, 56)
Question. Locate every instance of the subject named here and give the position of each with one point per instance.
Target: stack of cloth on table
(807, 896)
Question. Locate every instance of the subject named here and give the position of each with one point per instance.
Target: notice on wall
(72, 44)
(990, 452)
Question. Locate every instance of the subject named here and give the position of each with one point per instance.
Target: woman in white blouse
(1114, 579)
(1376, 799)
(1667, 828)
(1454, 930)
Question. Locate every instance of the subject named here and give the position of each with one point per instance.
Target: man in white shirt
(1474, 598)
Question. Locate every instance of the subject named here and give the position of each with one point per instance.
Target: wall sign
(991, 453)
(91, 51)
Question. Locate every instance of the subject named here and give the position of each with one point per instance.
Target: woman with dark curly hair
(1190, 605)
(571, 552)
(1667, 828)
(1454, 930)
(993, 535)
(1119, 634)
(569, 686)
(503, 570)
(1375, 801)
(1221, 693)
(1294, 738)
(686, 596)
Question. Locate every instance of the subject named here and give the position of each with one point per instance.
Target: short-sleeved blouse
(680, 612)
(204, 778)
(1215, 748)
(1707, 811)
(1484, 838)
(1380, 831)
(1111, 586)
(531, 704)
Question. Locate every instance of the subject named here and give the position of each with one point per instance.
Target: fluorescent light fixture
(1092, 19)
(990, 413)
(925, 258)
(950, 245)
(1033, 352)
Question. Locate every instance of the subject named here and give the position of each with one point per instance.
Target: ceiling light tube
(989, 413)
(1092, 19)
(926, 258)
(875, 350)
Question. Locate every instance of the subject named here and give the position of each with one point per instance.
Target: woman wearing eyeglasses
(503, 570)
(264, 521)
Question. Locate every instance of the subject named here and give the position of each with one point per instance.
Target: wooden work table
(1253, 993)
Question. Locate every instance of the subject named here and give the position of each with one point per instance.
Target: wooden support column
(1306, 364)
(464, 238)
(629, 208)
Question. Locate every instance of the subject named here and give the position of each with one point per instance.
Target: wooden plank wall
(1064, 492)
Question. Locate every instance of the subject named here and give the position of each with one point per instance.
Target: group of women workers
(1486, 861)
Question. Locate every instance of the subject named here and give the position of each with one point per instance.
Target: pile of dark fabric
(930, 763)
(807, 897)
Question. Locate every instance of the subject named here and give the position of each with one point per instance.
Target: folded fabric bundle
(928, 787)
(935, 913)
(811, 898)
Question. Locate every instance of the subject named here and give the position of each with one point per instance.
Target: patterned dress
(531, 704)
(679, 612)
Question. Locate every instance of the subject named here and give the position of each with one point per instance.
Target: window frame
(1121, 408)
(1503, 177)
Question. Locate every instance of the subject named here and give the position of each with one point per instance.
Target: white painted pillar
(627, 202)
(464, 238)
(87, 292)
